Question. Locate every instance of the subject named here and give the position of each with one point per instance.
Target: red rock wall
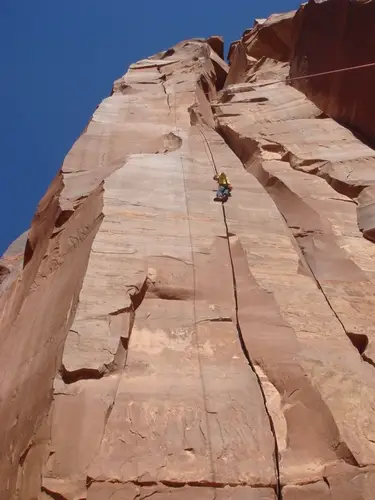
(156, 343)
(39, 310)
(41, 281)
(335, 34)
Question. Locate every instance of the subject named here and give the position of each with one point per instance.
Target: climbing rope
(247, 355)
(187, 203)
(289, 79)
(208, 151)
(195, 335)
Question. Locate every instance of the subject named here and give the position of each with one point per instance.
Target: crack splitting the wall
(250, 362)
(136, 298)
(359, 341)
(348, 334)
(163, 79)
(242, 342)
(222, 134)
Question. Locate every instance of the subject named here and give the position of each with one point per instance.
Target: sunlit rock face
(158, 343)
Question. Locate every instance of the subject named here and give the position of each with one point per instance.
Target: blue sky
(58, 61)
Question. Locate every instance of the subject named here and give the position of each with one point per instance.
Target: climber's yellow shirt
(223, 180)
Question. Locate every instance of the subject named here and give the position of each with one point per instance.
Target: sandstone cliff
(341, 31)
(155, 343)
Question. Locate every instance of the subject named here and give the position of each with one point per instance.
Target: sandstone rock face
(271, 38)
(342, 30)
(156, 343)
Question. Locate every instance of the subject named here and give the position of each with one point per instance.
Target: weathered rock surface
(155, 343)
(335, 34)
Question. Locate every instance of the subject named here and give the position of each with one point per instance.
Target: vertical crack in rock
(119, 359)
(359, 341)
(137, 297)
(279, 126)
(163, 79)
(278, 488)
(251, 364)
(269, 182)
(204, 391)
(355, 339)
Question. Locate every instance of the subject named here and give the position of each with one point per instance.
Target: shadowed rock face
(343, 31)
(155, 343)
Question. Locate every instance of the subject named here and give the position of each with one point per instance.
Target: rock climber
(224, 188)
